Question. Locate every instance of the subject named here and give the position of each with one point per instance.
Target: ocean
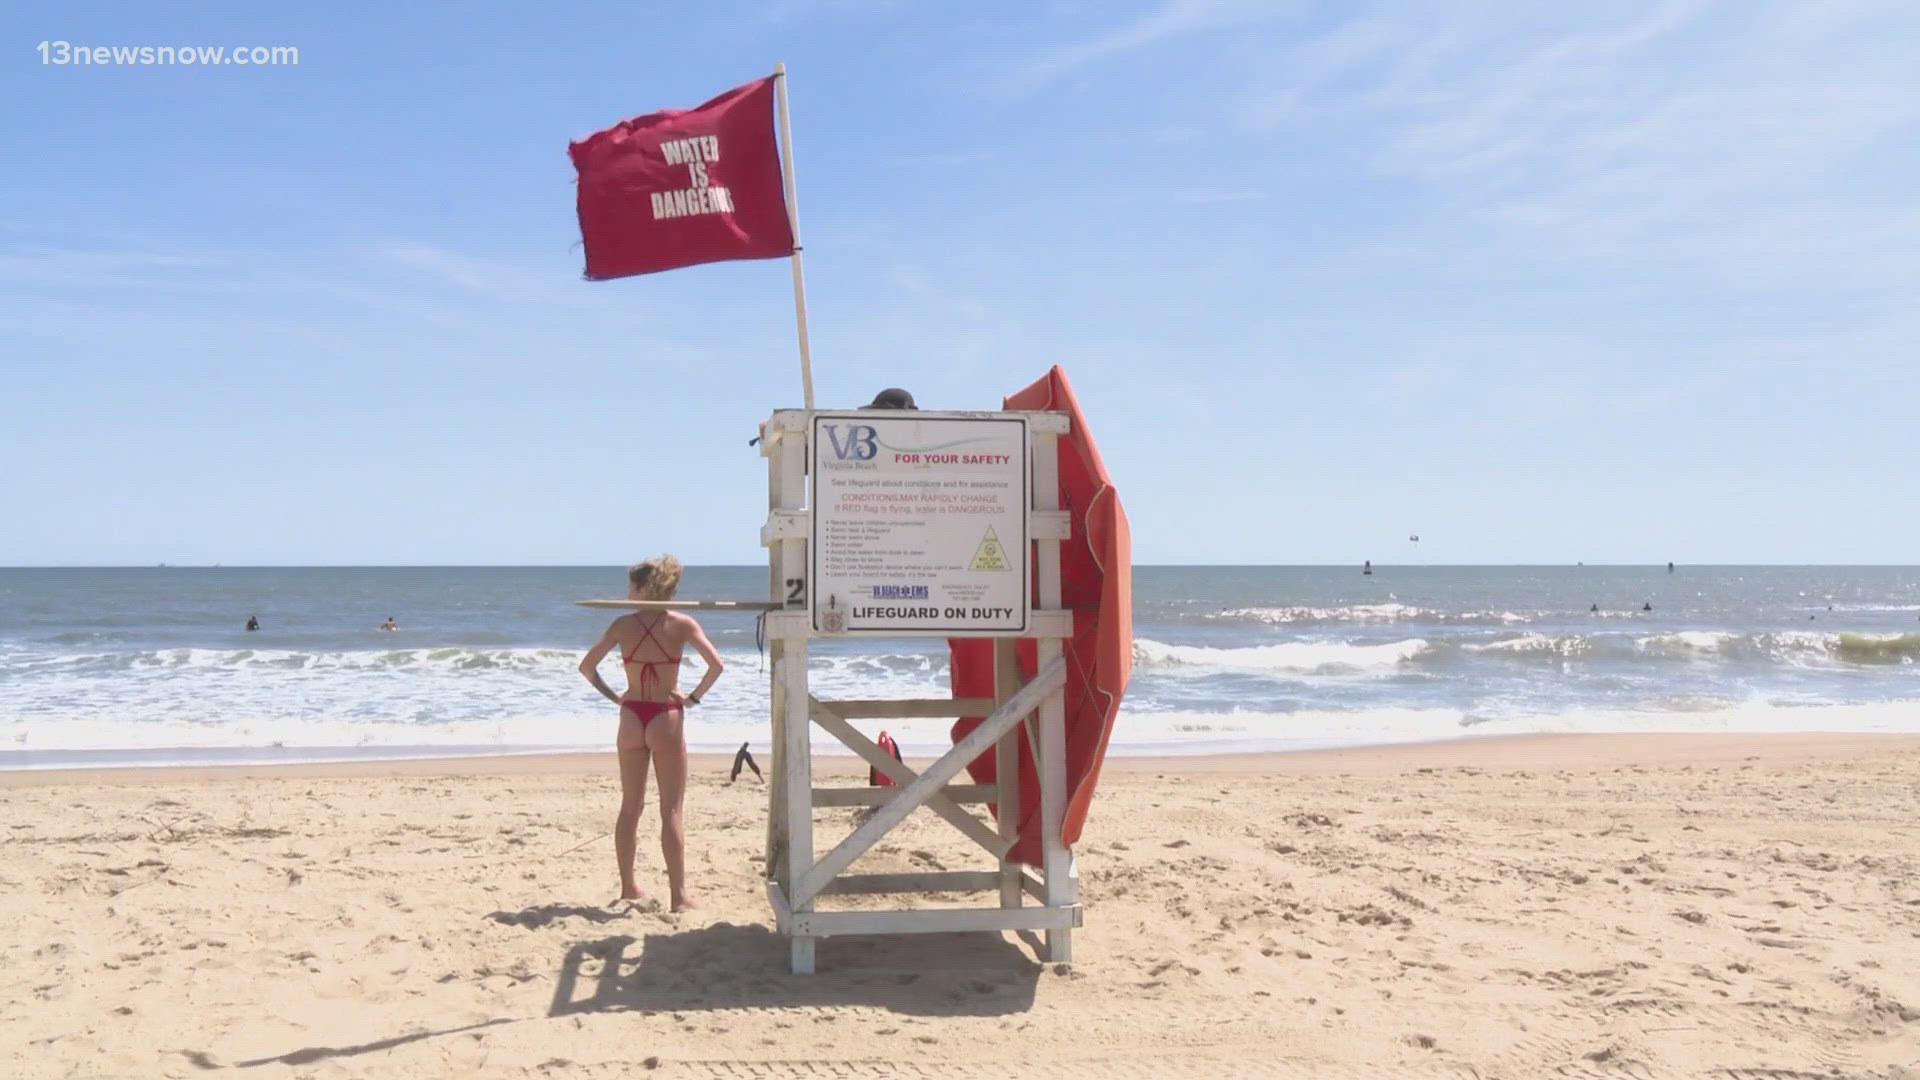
(155, 666)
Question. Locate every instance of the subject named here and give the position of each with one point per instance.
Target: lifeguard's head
(892, 398)
(655, 579)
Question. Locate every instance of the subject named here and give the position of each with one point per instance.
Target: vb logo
(858, 445)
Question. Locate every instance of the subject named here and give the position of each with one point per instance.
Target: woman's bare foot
(632, 892)
(684, 903)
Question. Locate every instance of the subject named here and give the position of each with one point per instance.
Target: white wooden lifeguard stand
(1034, 710)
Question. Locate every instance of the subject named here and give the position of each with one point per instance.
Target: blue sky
(1620, 282)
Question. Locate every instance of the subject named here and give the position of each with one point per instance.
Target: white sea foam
(1361, 613)
(1535, 645)
(1241, 731)
(201, 702)
(1796, 648)
(1685, 642)
(405, 697)
(1136, 732)
(1304, 657)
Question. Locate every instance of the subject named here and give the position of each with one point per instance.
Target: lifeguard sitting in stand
(652, 715)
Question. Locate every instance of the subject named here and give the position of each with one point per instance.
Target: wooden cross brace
(924, 788)
(857, 741)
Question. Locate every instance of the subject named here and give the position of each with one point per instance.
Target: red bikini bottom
(645, 711)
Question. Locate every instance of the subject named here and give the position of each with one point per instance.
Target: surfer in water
(652, 712)
(253, 622)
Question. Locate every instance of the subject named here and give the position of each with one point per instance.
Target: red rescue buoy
(874, 776)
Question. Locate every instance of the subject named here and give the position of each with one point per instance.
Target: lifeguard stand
(917, 524)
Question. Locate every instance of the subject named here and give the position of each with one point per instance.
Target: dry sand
(1631, 906)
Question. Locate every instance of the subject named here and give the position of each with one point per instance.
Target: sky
(1613, 283)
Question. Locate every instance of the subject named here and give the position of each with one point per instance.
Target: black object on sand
(743, 758)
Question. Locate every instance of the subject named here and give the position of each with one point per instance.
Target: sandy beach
(1619, 906)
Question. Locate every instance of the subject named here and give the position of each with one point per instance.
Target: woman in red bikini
(651, 715)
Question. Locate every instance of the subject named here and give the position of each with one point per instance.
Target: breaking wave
(1878, 648)
(1360, 613)
(1782, 648)
(1304, 657)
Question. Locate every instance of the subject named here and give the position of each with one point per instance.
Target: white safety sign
(919, 523)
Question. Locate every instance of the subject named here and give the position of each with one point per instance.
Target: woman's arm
(590, 663)
(698, 639)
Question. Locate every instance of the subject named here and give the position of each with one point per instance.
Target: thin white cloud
(39, 264)
(185, 281)
(1754, 142)
(787, 12)
(485, 278)
(1171, 19)
(951, 159)
(1208, 197)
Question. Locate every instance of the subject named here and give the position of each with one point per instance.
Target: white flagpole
(793, 220)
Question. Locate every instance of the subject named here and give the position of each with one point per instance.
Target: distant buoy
(1368, 568)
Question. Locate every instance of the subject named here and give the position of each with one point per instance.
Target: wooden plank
(792, 587)
(1057, 874)
(776, 846)
(776, 864)
(682, 605)
(958, 794)
(910, 708)
(792, 463)
(787, 420)
(928, 783)
(904, 775)
(777, 899)
(940, 881)
(1033, 886)
(796, 623)
(785, 525)
(934, 921)
(1006, 683)
(1056, 423)
(1049, 525)
(797, 793)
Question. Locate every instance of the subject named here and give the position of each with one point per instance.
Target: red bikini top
(648, 677)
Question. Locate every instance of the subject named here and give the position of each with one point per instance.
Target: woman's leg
(666, 737)
(633, 798)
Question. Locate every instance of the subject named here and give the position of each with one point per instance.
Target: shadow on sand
(310, 1054)
(724, 966)
(534, 918)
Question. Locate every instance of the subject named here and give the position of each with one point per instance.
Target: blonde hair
(657, 578)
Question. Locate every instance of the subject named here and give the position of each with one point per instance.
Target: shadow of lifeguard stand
(850, 558)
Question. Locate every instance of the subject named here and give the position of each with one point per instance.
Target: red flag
(684, 186)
